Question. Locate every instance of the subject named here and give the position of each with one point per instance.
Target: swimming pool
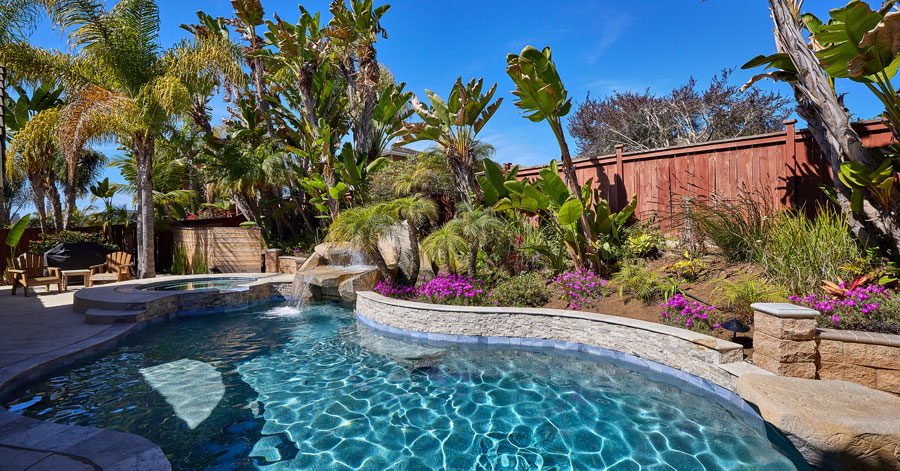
(273, 389)
(198, 283)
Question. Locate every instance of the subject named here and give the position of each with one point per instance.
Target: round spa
(220, 283)
(276, 388)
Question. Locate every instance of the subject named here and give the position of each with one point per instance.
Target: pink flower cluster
(692, 315)
(446, 287)
(578, 287)
(857, 303)
(391, 290)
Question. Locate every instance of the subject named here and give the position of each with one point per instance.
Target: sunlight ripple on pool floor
(312, 390)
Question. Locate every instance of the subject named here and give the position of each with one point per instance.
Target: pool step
(106, 316)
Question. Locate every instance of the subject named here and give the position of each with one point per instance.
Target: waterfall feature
(300, 291)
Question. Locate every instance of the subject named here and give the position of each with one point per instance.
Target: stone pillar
(784, 339)
(272, 265)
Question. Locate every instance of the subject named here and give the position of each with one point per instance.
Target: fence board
(787, 167)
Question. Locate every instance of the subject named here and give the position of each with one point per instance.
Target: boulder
(395, 249)
(836, 425)
(313, 261)
(342, 253)
(362, 282)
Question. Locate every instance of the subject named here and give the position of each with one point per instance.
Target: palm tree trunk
(53, 196)
(414, 248)
(144, 148)
(381, 264)
(473, 260)
(37, 196)
(463, 179)
(69, 190)
(830, 126)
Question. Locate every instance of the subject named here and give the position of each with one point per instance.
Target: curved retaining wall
(699, 359)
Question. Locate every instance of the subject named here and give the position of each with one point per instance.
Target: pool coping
(104, 449)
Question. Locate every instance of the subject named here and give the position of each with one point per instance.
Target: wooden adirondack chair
(29, 270)
(116, 268)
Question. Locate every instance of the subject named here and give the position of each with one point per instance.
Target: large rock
(836, 425)
(396, 250)
(333, 282)
(361, 282)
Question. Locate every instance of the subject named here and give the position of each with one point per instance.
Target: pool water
(275, 389)
(186, 285)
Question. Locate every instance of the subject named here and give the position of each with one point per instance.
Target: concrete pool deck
(39, 334)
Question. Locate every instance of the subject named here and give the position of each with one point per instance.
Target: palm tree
(416, 211)
(122, 85)
(31, 156)
(445, 246)
(477, 225)
(454, 126)
(363, 227)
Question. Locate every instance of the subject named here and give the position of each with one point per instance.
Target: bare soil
(702, 290)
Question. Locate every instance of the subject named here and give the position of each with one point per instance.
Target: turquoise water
(273, 389)
(185, 285)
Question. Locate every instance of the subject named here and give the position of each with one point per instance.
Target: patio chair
(29, 270)
(116, 268)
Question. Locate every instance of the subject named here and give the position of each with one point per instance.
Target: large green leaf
(15, 234)
(840, 39)
(488, 190)
(570, 212)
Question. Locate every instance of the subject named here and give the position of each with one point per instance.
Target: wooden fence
(786, 166)
(126, 238)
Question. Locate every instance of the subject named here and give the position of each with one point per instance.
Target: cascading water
(300, 291)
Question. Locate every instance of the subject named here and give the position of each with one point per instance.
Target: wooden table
(67, 273)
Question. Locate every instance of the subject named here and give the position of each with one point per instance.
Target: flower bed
(442, 289)
(691, 315)
(872, 308)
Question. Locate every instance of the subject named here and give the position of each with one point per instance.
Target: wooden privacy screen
(788, 167)
(227, 249)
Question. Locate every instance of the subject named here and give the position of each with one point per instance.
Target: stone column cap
(274, 250)
(785, 310)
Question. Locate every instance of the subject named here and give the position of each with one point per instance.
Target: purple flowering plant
(578, 288)
(445, 288)
(872, 308)
(680, 312)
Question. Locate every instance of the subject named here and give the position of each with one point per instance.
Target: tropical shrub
(737, 296)
(578, 288)
(799, 253)
(691, 315)
(643, 241)
(529, 290)
(48, 241)
(872, 308)
(689, 268)
(638, 281)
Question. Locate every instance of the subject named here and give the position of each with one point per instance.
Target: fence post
(619, 179)
(790, 155)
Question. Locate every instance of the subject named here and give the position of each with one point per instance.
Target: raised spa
(272, 388)
(228, 283)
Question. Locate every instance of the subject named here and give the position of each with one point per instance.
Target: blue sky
(599, 46)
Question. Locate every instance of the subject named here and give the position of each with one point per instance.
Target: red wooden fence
(787, 166)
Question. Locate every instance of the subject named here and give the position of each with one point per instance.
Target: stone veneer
(709, 360)
(787, 342)
(867, 358)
